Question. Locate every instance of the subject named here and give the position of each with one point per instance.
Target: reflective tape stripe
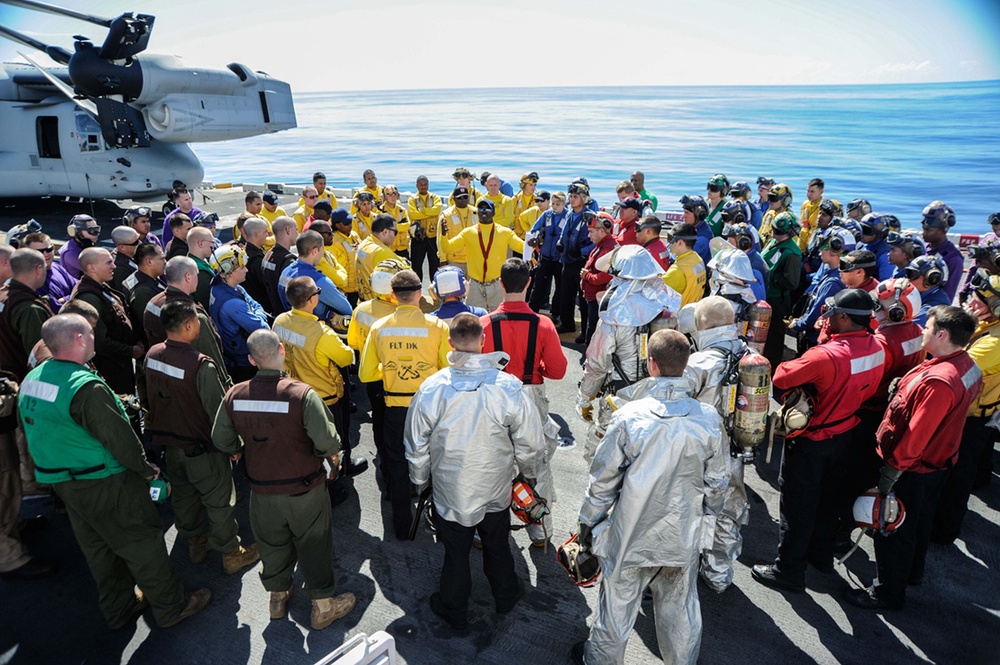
(867, 363)
(290, 336)
(405, 332)
(164, 368)
(911, 346)
(131, 281)
(971, 376)
(365, 319)
(3, 306)
(152, 309)
(284, 280)
(47, 392)
(267, 265)
(260, 406)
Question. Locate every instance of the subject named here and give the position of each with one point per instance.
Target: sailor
(303, 214)
(402, 351)
(343, 247)
(655, 485)
(184, 202)
(734, 280)
(374, 249)
(978, 438)
(626, 227)
(648, 235)
(180, 225)
(144, 285)
(138, 218)
(22, 311)
(831, 247)
(364, 317)
(929, 274)
(783, 258)
(183, 391)
(328, 265)
(809, 212)
(201, 244)
(544, 236)
(255, 236)
(117, 344)
(695, 214)
(525, 200)
(85, 448)
(277, 259)
(717, 190)
(311, 249)
(503, 204)
(253, 207)
(284, 431)
(126, 241)
(743, 236)
(370, 190)
(449, 287)
(874, 230)
(464, 177)
(710, 369)
(58, 282)
(686, 275)
(272, 211)
(315, 355)
(839, 376)
(573, 245)
(181, 274)
(234, 313)
(593, 281)
(325, 193)
(938, 218)
(392, 207)
(636, 304)
(455, 219)
(740, 193)
(919, 438)
(472, 462)
(526, 220)
(825, 212)
(362, 210)
(779, 199)
(532, 344)
(638, 180)
(83, 232)
(486, 246)
(423, 210)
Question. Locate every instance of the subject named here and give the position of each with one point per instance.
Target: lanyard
(488, 247)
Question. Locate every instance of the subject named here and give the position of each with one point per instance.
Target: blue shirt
(575, 239)
(928, 299)
(506, 188)
(452, 308)
(757, 263)
(827, 288)
(759, 287)
(168, 235)
(548, 228)
(701, 246)
(236, 315)
(331, 300)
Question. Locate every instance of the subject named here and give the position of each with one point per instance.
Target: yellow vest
(363, 225)
(301, 216)
(345, 251)
(425, 210)
(398, 213)
(364, 317)
(301, 333)
(985, 351)
(329, 266)
(402, 350)
(691, 268)
(808, 215)
(370, 254)
(458, 220)
(526, 220)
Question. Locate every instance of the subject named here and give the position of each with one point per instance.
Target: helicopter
(115, 122)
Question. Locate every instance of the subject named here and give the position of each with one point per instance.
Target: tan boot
(236, 560)
(198, 549)
(327, 610)
(279, 604)
(196, 603)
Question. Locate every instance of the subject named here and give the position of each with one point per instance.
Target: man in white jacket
(650, 507)
(473, 461)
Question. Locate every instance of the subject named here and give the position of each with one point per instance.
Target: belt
(492, 281)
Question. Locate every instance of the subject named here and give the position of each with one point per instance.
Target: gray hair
(24, 261)
(5, 251)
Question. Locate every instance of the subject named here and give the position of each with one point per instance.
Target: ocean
(899, 146)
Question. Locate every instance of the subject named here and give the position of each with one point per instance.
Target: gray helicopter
(115, 124)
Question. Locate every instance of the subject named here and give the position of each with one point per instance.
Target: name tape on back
(260, 406)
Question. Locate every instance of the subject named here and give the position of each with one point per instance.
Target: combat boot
(327, 610)
(198, 548)
(278, 606)
(196, 603)
(237, 559)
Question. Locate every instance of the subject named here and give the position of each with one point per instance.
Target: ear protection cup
(744, 243)
(896, 313)
(226, 266)
(71, 230)
(933, 277)
(701, 215)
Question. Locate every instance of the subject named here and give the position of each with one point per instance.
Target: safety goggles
(713, 188)
(994, 219)
(847, 265)
(764, 182)
(854, 205)
(773, 198)
(93, 230)
(577, 189)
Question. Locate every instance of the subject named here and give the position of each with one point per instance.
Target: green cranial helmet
(721, 182)
(786, 224)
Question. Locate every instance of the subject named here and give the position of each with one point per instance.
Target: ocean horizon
(900, 146)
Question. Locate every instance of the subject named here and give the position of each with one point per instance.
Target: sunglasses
(311, 196)
(316, 292)
(714, 188)
(138, 241)
(47, 250)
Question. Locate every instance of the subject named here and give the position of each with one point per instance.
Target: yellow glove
(586, 412)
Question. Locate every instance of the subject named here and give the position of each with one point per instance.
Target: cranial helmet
(449, 281)
(896, 300)
(227, 259)
(786, 224)
(382, 277)
(722, 182)
(780, 193)
(633, 262)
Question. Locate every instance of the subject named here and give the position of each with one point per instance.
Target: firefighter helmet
(885, 513)
(581, 564)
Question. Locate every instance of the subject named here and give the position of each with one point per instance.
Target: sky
(405, 44)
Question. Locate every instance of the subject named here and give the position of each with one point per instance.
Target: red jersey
(660, 252)
(844, 372)
(922, 428)
(625, 233)
(593, 280)
(515, 320)
(902, 343)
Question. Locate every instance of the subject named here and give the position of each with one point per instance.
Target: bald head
(201, 242)
(5, 252)
(97, 264)
(255, 230)
(66, 336)
(124, 235)
(713, 312)
(285, 231)
(266, 350)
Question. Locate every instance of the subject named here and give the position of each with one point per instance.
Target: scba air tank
(753, 396)
(758, 324)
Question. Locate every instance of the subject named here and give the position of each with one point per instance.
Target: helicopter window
(47, 135)
(89, 133)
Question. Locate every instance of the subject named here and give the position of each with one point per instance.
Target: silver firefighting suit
(545, 486)
(654, 491)
(707, 368)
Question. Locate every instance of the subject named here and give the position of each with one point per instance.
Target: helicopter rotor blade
(60, 11)
(84, 104)
(57, 53)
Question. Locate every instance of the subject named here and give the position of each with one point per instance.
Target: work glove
(887, 478)
(586, 538)
(888, 512)
(444, 226)
(586, 412)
